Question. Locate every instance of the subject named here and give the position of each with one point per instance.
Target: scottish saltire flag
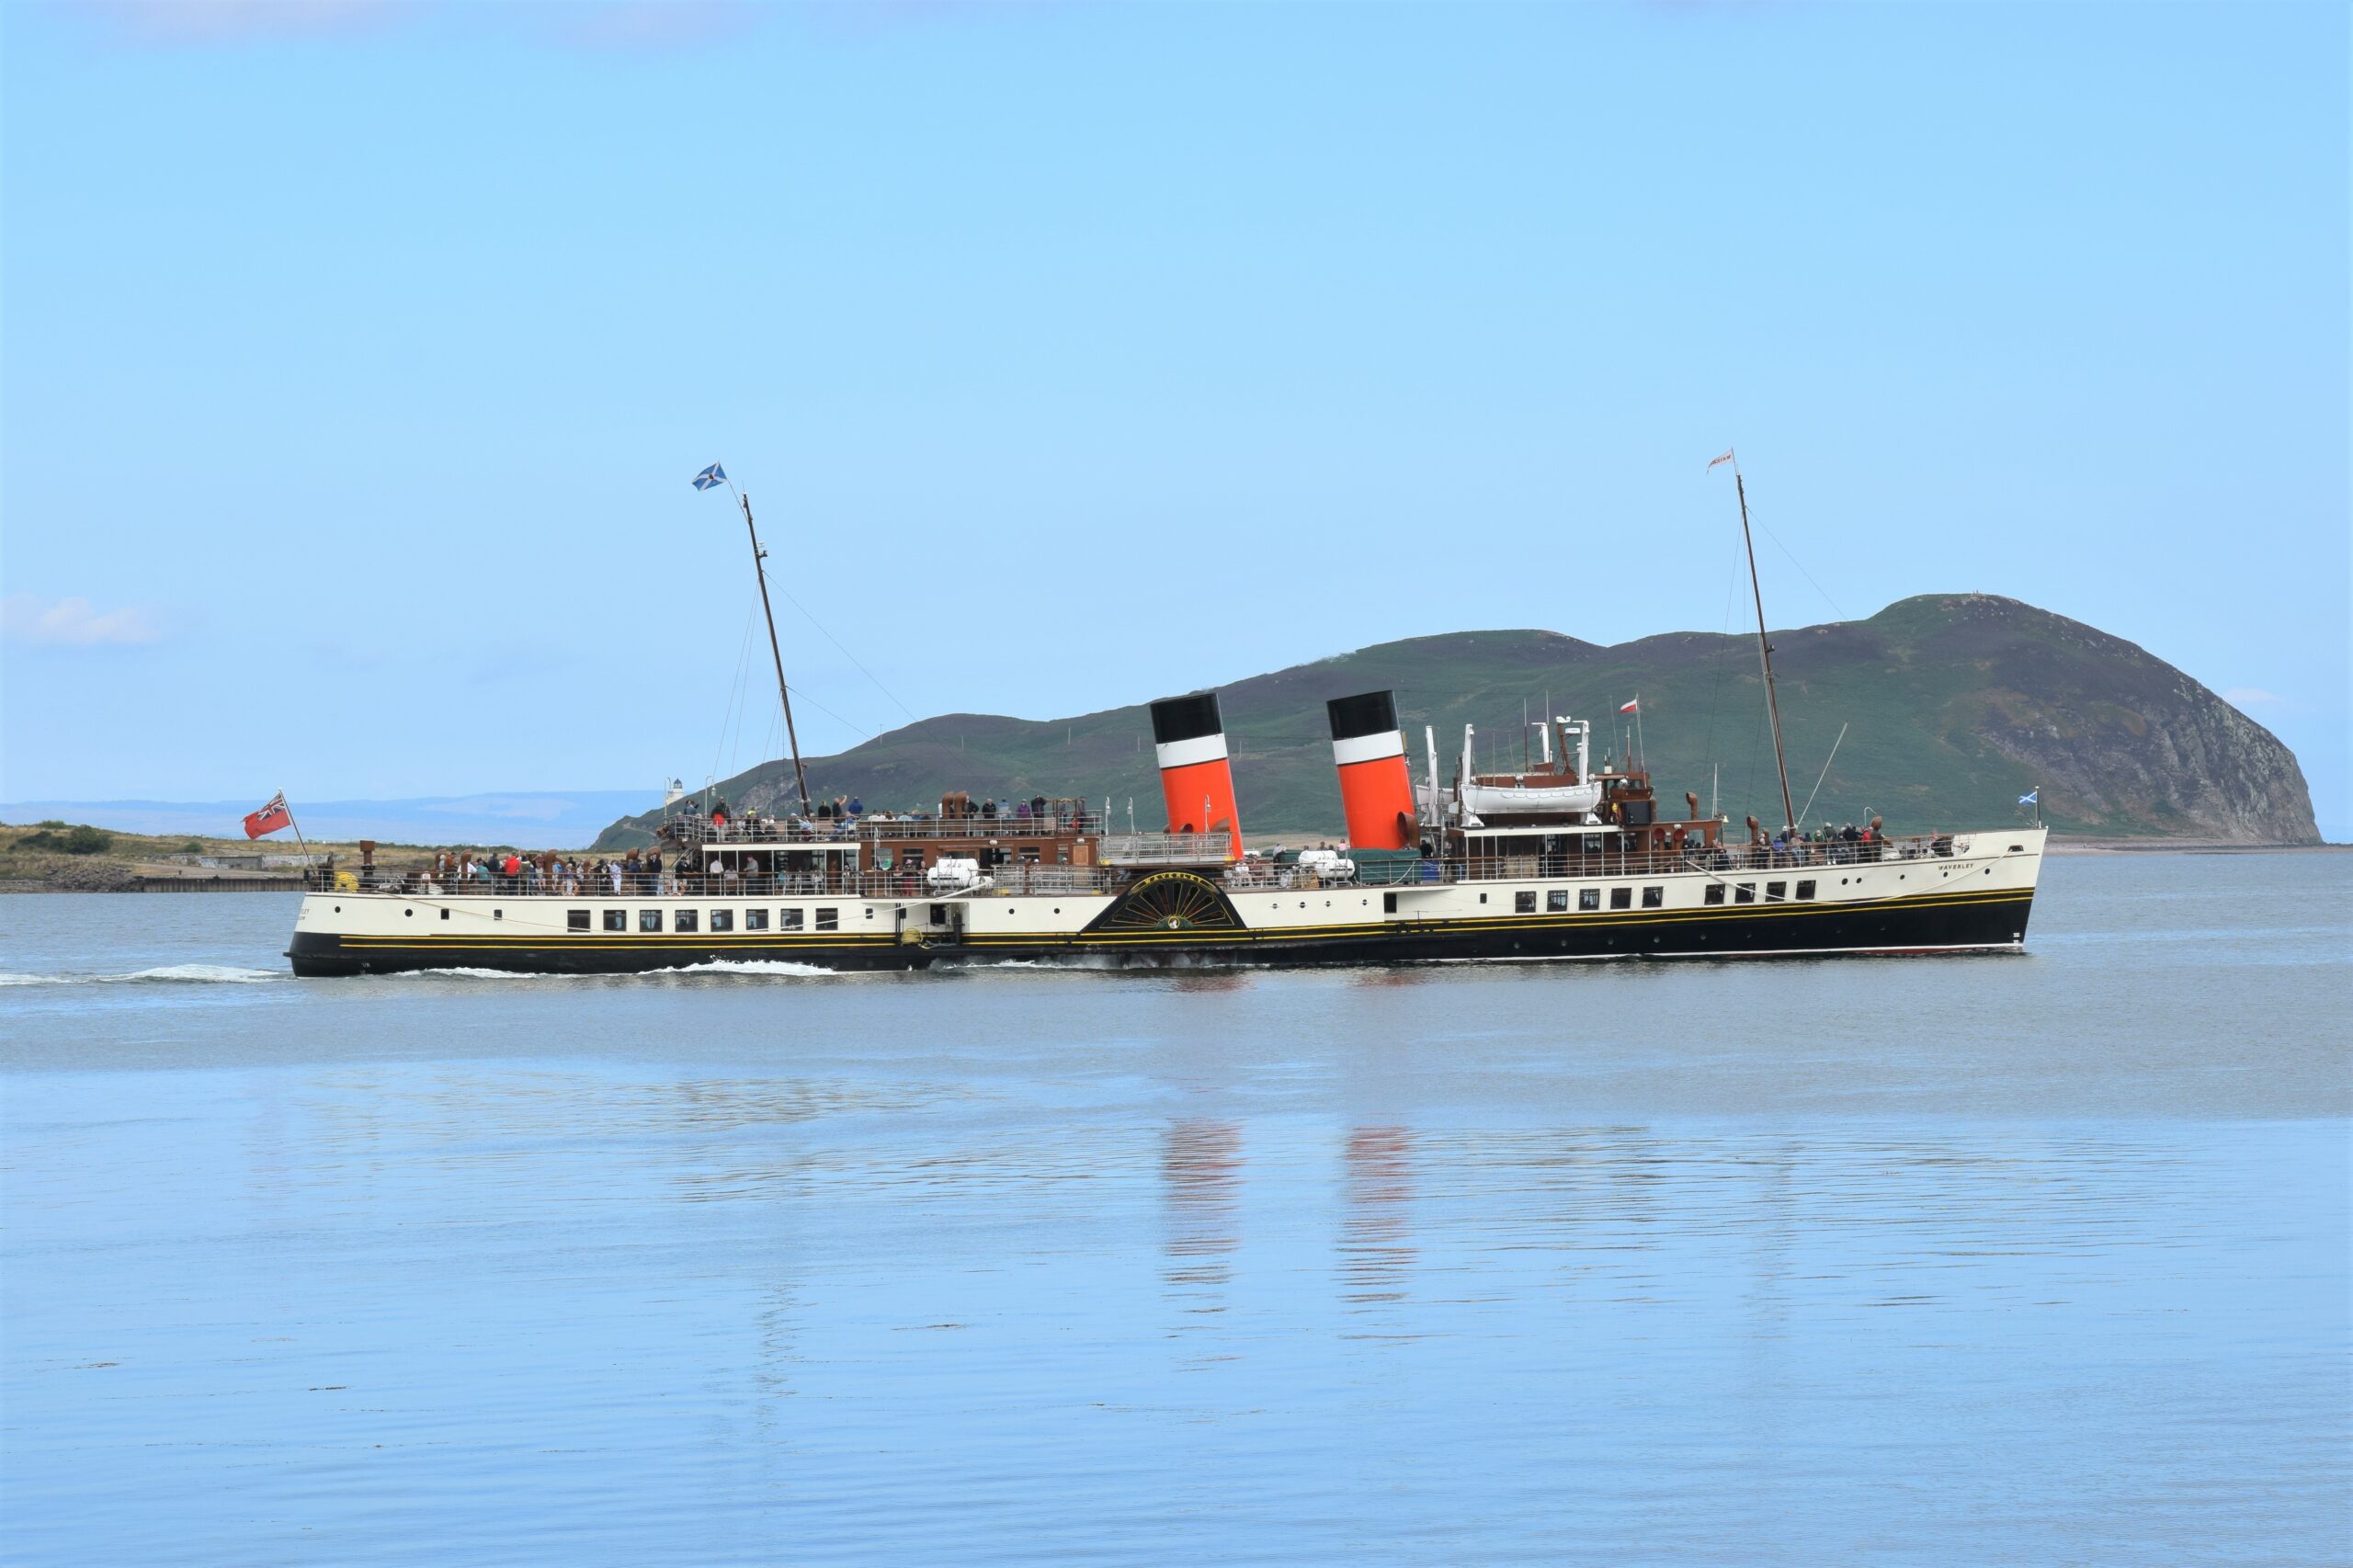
(2031, 797)
(712, 475)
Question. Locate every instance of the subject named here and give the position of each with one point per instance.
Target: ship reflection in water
(1201, 1169)
(1376, 1236)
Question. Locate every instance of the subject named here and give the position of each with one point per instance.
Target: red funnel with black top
(1376, 792)
(1196, 779)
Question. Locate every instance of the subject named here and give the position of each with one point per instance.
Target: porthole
(410, 912)
(338, 909)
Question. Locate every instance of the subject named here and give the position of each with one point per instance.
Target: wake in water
(177, 974)
(760, 967)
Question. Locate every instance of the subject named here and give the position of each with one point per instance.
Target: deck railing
(1167, 848)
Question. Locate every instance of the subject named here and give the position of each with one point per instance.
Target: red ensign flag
(270, 819)
(1633, 707)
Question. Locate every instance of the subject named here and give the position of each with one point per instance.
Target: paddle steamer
(1560, 860)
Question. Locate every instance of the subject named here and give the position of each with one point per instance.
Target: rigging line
(1793, 561)
(803, 691)
(1716, 687)
(846, 654)
(734, 696)
(1825, 774)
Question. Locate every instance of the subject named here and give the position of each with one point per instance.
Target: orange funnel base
(1378, 797)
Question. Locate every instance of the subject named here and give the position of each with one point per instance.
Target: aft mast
(784, 692)
(1764, 645)
(715, 474)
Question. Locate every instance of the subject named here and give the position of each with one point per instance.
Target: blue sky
(353, 358)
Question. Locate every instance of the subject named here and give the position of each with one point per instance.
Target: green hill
(1955, 705)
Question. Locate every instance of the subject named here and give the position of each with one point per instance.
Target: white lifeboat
(1530, 799)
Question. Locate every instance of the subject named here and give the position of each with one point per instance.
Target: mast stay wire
(1790, 556)
(735, 701)
(737, 713)
(853, 658)
(1716, 687)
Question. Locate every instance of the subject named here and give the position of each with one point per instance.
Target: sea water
(2032, 1259)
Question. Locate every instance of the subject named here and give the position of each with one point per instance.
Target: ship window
(1621, 898)
(684, 920)
(1389, 903)
(1588, 898)
(755, 920)
(1715, 893)
(829, 920)
(723, 920)
(1483, 898)
(1029, 854)
(1523, 904)
(1557, 902)
(575, 920)
(616, 920)
(1805, 890)
(1654, 898)
(1744, 894)
(787, 919)
(648, 920)
(939, 915)
(1776, 892)
(445, 911)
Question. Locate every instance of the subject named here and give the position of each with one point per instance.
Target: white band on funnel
(1184, 753)
(1366, 748)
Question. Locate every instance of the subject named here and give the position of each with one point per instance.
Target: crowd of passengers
(638, 872)
(1829, 846)
(645, 872)
(839, 817)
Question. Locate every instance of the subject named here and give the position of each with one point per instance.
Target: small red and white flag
(270, 818)
(1633, 707)
(1725, 459)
